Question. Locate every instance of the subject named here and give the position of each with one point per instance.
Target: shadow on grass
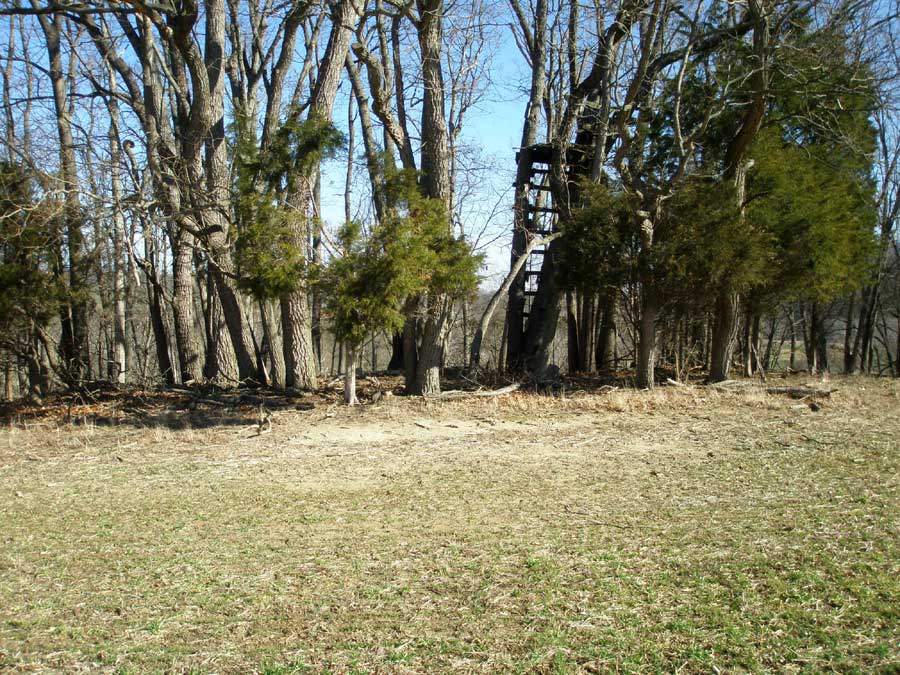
(207, 406)
(176, 408)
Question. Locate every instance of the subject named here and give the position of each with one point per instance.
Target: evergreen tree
(29, 291)
(815, 206)
(270, 264)
(408, 254)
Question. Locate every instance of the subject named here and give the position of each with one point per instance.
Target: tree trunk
(726, 321)
(38, 374)
(501, 357)
(751, 342)
(73, 315)
(587, 331)
(331, 370)
(770, 343)
(646, 357)
(543, 318)
(22, 371)
(220, 362)
(160, 336)
(235, 322)
(707, 341)
(435, 155)
(218, 193)
(155, 308)
(897, 354)
(511, 278)
(350, 376)
(606, 339)
(885, 341)
(276, 353)
(754, 343)
(821, 342)
(810, 337)
(791, 316)
(410, 353)
(206, 294)
(428, 367)
(465, 332)
(435, 180)
(297, 314)
(118, 361)
(318, 257)
(855, 351)
(897, 340)
(867, 330)
(396, 362)
(7, 378)
(299, 350)
(747, 353)
(679, 339)
(515, 306)
(573, 335)
(183, 310)
(296, 309)
(725, 326)
(849, 357)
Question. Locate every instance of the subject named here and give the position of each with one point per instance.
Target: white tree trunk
(350, 377)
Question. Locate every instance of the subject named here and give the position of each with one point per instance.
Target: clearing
(684, 530)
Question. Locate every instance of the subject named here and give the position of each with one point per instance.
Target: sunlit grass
(679, 531)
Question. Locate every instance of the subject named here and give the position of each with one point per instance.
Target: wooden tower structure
(538, 216)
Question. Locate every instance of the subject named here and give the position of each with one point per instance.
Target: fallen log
(734, 384)
(800, 392)
(797, 392)
(456, 393)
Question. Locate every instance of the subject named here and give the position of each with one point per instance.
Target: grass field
(685, 530)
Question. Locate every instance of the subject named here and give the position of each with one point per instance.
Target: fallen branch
(734, 384)
(210, 401)
(480, 394)
(589, 517)
(796, 392)
(800, 392)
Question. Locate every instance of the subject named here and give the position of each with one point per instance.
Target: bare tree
(296, 310)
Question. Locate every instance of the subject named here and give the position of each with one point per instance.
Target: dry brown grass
(681, 530)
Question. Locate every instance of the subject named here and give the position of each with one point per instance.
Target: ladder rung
(532, 273)
(530, 292)
(542, 209)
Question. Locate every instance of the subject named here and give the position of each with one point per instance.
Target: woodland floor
(684, 530)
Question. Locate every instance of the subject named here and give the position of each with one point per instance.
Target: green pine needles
(270, 262)
(30, 258)
(411, 252)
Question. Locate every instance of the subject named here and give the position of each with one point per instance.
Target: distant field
(685, 530)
